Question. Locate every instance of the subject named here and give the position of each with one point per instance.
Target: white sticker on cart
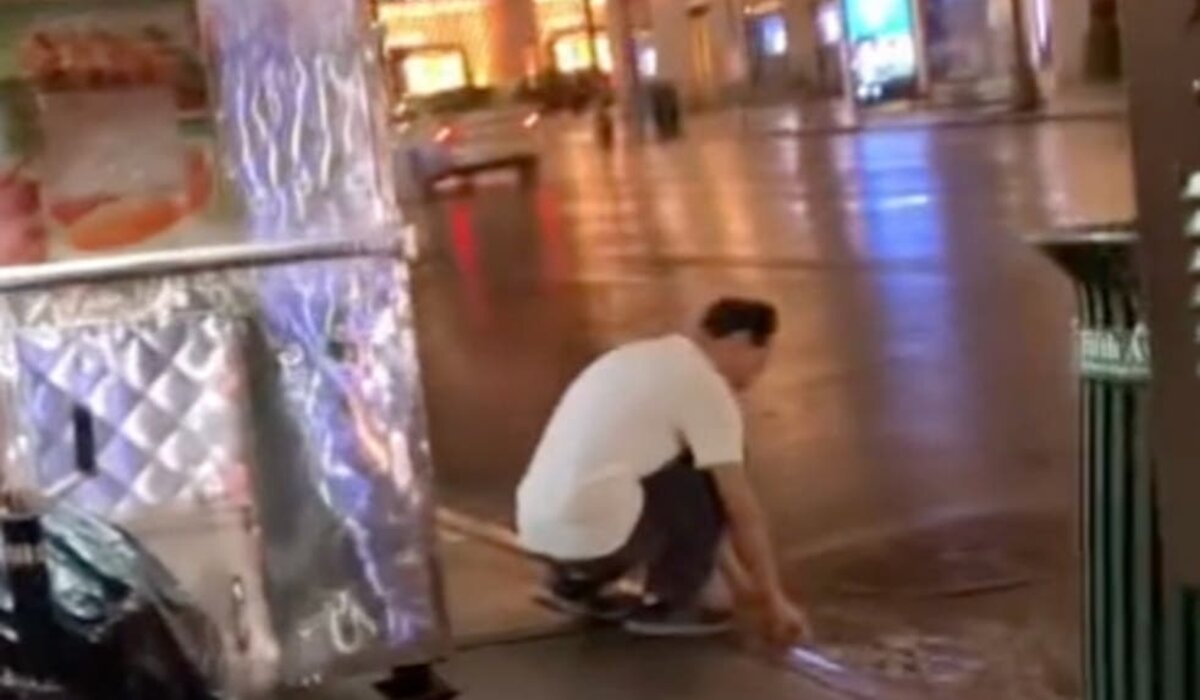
(1115, 353)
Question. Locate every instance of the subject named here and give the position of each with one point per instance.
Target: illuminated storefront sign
(883, 51)
(434, 70)
(427, 29)
(572, 55)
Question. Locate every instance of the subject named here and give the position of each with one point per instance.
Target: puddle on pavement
(911, 657)
(960, 558)
(982, 661)
(978, 608)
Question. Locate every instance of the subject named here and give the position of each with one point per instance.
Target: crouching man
(641, 468)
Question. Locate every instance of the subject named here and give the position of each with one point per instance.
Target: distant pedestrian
(603, 122)
(642, 468)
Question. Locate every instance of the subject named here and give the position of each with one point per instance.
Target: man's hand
(786, 623)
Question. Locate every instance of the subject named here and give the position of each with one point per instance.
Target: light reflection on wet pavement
(983, 607)
(923, 374)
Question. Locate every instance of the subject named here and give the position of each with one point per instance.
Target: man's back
(621, 420)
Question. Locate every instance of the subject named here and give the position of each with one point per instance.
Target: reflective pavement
(924, 364)
(823, 117)
(923, 377)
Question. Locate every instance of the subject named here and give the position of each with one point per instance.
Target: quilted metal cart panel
(263, 417)
(162, 403)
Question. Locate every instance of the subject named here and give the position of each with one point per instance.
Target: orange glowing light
(425, 25)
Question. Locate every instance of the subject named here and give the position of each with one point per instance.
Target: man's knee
(685, 498)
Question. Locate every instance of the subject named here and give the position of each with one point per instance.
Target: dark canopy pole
(1162, 54)
(1138, 345)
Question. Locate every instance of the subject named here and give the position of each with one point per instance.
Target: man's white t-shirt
(624, 418)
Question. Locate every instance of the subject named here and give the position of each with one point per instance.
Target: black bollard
(24, 562)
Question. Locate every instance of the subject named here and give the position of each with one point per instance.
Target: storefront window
(829, 24)
(648, 61)
(968, 41)
(773, 34)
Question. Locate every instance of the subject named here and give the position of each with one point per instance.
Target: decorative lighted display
(883, 52)
(435, 70)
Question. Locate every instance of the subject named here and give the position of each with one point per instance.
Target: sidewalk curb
(480, 530)
(501, 537)
(497, 537)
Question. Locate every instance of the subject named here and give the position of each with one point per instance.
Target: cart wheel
(415, 683)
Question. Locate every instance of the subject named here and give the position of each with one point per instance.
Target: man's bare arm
(751, 542)
(748, 533)
(736, 576)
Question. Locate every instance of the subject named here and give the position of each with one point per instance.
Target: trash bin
(1141, 629)
(666, 113)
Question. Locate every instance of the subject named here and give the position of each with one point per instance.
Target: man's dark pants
(675, 541)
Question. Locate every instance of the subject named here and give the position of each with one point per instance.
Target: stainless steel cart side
(253, 414)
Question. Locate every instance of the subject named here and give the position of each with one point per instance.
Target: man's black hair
(730, 316)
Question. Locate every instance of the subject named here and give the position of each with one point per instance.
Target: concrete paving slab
(612, 666)
(490, 595)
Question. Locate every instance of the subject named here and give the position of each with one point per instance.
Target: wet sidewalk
(510, 648)
(914, 441)
(836, 116)
(978, 607)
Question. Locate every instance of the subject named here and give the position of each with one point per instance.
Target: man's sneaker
(602, 607)
(661, 620)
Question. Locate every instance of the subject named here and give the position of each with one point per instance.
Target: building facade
(715, 50)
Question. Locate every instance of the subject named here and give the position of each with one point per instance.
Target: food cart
(209, 389)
